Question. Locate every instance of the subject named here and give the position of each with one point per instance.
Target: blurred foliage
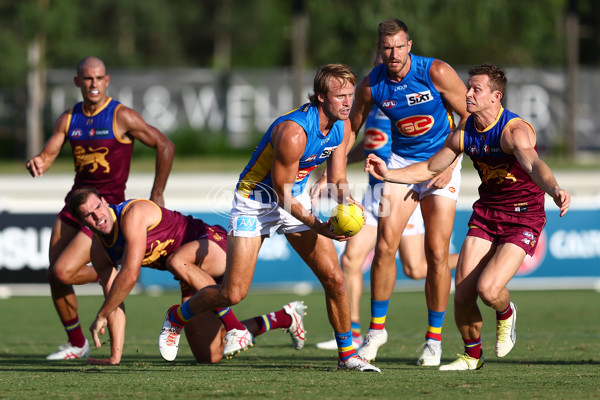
(257, 33)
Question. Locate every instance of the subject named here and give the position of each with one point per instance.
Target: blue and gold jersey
(421, 120)
(255, 181)
(101, 158)
(377, 138)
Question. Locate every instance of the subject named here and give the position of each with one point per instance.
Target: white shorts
(451, 190)
(414, 226)
(250, 218)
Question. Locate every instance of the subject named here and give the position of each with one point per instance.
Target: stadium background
(202, 73)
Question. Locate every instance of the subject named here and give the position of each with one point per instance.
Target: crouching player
(140, 233)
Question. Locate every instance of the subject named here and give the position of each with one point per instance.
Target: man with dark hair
(139, 233)
(101, 132)
(507, 219)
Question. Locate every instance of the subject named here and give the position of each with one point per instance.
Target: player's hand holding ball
(346, 219)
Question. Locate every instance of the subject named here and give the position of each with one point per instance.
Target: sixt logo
(414, 99)
(327, 152)
(389, 104)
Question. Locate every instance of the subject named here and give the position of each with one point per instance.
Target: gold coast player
(507, 219)
(139, 233)
(101, 132)
(270, 198)
(418, 94)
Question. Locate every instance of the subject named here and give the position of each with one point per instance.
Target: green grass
(557, 355)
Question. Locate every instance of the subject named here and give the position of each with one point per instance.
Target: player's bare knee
(233, 296)
(488, 294)
(334, 288)
(62, 275)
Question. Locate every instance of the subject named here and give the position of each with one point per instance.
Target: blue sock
(344, 343)
(435, 320)
(378, 313)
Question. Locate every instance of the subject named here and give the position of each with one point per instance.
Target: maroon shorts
(499, 227)
(198, 230)
(65, 216)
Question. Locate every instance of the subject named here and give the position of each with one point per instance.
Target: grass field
(557, 355)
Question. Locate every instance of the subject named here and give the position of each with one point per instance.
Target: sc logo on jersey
(419, 98)
(415, 125)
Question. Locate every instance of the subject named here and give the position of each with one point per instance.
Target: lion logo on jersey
(499, 173)
(157, 250)
(94, 157)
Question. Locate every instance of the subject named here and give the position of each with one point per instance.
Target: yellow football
(346, 219)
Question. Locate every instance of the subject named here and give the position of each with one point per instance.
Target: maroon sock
(74, 332)
(273, 320)
(506, 314)
(229, 319)
(473, 347)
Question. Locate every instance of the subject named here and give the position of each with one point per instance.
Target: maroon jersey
(167, 235)
(101, 159)
(505, 185)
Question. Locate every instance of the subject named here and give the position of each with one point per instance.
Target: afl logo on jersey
(389, 104)
(416, 125)
(76, 133)
(375, 139)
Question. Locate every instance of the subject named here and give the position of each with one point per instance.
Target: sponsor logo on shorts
(529, 238)
(452, 189)
(246, 224)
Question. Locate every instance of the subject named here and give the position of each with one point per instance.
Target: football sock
(378, 313)
(229, 319)
(506, 314)
(473, 347)
(344, 344)
(274, 320)
(435, 320)
(180, 315)
(74, 332)
(356, 334)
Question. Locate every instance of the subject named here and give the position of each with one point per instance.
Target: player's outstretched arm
(520, 140)
(115, 321)
(131, 123)
(39, 164)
